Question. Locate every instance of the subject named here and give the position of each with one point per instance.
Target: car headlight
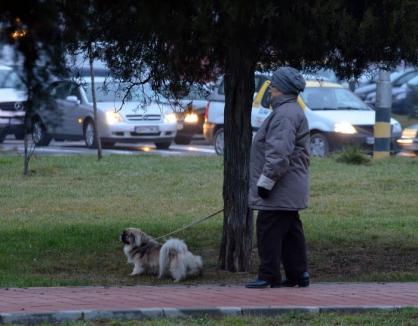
(409, 133)
(170, 118)
(397, 128)
(191, 118)
(344, 128)
(113, 117)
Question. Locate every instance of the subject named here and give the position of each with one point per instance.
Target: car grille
(145, 134)
(143, 117)
(11, 106)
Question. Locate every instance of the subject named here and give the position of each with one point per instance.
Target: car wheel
(90, 135)
(39, 135)
(165, 145)
(319, 145)
(218, 140)
(183, 140)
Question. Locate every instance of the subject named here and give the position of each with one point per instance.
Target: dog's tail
(169, 250)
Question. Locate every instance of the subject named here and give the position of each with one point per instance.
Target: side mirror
(73, 99)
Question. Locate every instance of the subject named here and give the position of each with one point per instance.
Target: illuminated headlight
(397, 129)
(409, 133)
(191, 118)
(344, 128)
(113, 117)
(170, 118)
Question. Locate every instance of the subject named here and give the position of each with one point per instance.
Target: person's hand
(263, 192)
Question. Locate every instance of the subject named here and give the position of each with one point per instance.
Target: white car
(336, 118)
(12, 100)
(137, 116)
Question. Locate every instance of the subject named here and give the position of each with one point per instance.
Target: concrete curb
(154, 313)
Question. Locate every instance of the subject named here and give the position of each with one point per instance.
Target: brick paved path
(32, 301)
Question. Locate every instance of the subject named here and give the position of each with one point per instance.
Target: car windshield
(323, 74)
(197, 93)
(10, 79)
(413, 81)
(111, 91)
(328, 98)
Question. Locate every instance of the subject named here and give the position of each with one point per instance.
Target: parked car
(336, 118)
(214, 113)
(409, 139)
(403, 98)
(398, 81)
(410, 104)
(138, 116)
(192, 115)
(12, 102)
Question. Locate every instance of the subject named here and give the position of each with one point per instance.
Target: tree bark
(93, 95)
(235, 252)
(27, 123)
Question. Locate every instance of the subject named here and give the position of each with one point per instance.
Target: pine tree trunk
(93, 95)
(235, 252)
(26, 128)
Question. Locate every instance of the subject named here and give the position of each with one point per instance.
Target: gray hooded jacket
(280, 158)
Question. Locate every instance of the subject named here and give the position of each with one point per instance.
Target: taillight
(207, 111)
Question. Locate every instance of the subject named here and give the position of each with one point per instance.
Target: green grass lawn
(402, 317)
(60, 225)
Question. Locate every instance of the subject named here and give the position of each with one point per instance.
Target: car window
(258, 82)
(413, 81)
(265, 102)
(405, 78)
(328, 98)
(60, 91)
(74, 91)
(10, 79)
(111, 91)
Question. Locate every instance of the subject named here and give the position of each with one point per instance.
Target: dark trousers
(280, 239)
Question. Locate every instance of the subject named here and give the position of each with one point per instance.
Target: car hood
(135, 108)
(360, 117)
(12, 95)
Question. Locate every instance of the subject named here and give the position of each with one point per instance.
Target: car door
(52, 114)
(68, 102)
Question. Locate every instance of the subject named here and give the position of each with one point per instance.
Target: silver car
(136, 116)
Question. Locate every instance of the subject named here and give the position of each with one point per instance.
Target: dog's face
(132, 237)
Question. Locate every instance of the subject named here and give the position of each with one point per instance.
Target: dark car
(410, 106)
(409, 139)
(398, 91)
(192, 117)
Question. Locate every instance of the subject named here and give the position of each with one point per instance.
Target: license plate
(146, 129)
(370, 140)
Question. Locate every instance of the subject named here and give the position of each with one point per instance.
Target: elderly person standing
(279, 184)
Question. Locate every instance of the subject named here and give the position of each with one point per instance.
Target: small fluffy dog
(150, 257)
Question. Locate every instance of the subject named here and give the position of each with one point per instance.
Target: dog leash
(191, 224)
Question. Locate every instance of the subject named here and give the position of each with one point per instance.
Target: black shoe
(303, 281)
(261, 284)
